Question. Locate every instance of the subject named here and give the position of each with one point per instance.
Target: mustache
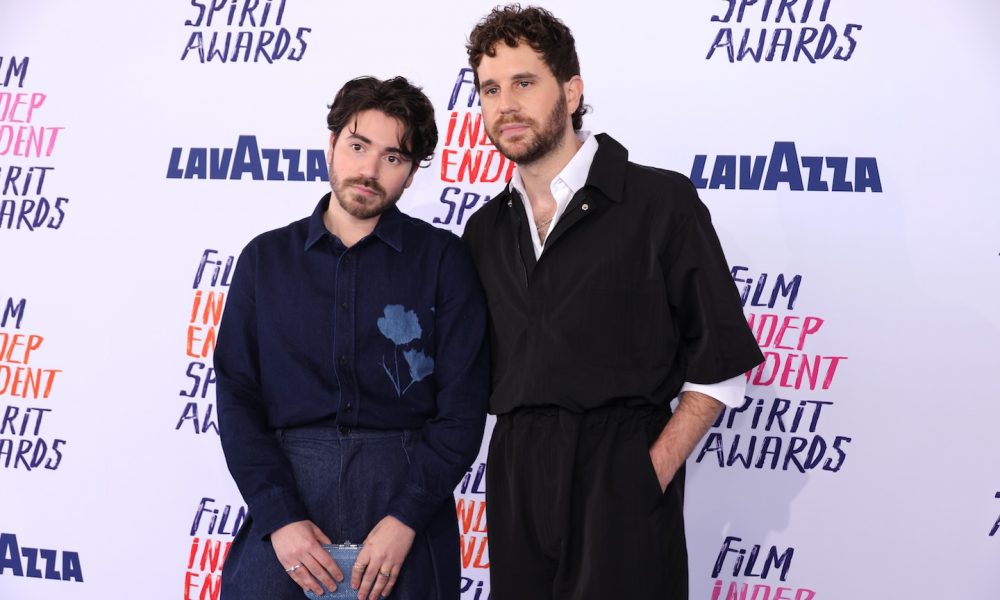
(366, 182)
(514, 118)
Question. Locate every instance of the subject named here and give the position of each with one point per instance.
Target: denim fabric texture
(346, 479)
(345, 555)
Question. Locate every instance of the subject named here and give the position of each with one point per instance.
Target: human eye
(490, 91)
(523, 83)
(357, 147)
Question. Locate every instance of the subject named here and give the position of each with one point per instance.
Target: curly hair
(397, 98)
(541, 30)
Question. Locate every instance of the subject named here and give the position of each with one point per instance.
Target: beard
(543, 141)
(358, 205)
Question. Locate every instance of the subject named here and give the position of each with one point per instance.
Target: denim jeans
(346, 480)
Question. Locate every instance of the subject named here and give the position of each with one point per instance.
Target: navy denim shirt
(387, 334)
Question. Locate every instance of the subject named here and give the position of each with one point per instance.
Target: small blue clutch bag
(344, 555)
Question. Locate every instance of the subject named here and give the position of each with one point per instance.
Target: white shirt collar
(564, 186)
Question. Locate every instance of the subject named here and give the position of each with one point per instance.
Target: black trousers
(575, 509)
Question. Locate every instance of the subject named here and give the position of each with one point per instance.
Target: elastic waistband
(614, 412)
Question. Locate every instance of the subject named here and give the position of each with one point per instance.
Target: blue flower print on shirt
(421, 365)
(401, 327)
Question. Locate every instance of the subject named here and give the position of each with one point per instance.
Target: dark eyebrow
(355, 134)
(514, 77)
(390, 150)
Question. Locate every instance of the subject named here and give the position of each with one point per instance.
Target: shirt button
(585, 207)
(347, 259)
(343, 360)
(343, 306)
(344, 429)
(348, 407)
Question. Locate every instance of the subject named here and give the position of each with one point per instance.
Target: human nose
(370, 166)
(507, 103)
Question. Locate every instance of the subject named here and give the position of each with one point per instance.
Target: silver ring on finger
(293, 568)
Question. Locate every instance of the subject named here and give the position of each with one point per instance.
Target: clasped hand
(376, 570)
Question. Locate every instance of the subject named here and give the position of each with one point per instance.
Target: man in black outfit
(609, 294)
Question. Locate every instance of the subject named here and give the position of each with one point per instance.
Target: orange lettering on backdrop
(474, 548)
(205, 310)
(471, 515)
(197, 345)
(17, 348)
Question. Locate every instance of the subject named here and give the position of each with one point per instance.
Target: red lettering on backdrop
(17, 378)
(470, 157)
(472, 520)
(203, 579)
(206, 313)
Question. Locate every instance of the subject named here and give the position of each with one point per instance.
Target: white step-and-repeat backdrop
(847, 151)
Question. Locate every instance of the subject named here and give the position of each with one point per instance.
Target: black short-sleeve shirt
(631, 296)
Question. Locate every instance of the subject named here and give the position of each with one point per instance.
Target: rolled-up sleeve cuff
(729, 392)
(414, 507)
(274, 511)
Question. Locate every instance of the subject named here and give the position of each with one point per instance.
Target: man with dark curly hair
(609, 295)
(353, 374)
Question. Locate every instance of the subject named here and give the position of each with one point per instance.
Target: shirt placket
(344, 351)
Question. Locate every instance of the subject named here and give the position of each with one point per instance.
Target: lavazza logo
(247, 160)
(786, 167)
(40, 563)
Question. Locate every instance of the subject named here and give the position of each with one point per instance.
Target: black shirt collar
(389, 228)
(607, 172)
